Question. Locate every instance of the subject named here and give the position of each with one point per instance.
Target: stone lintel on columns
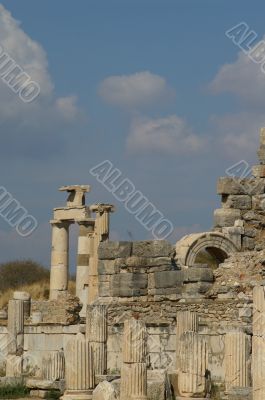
(71, 213)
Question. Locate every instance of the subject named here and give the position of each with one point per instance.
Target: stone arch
(217, 244)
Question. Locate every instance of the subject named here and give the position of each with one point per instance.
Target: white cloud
(238, 133)
(38, 124)
(170, 135)
(67, 107)
(242, 78)
(136, 90)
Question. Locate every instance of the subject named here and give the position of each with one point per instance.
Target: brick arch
(216, 243)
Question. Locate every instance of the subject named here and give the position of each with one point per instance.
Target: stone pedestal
(134, 369)
(186, 321)
(79, 369)
(96, 334)
(258, 343)
(15, 325)
(59, 257)
(193, 358)
(83, 263)
(236, 357)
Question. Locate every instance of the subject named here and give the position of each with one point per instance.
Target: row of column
(90, 351)
(91, 233)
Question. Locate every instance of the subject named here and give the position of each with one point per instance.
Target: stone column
(25, 297)
(79, 369)
(134, 369)
(101, 234)
(53, 367)
(83, 262)
(236, 357)
(59, 258)
(185, 321)
(258, 343)
(15, 325)
(193, 357)
(96, 334)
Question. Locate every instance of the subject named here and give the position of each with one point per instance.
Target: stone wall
(64, 310)
(147, 270)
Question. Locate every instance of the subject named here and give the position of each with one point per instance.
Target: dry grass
(38, 291)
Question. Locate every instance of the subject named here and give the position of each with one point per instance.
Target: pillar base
(77, 395)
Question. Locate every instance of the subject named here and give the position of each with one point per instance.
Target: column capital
(101, 208)
(86, 222)
(59, 222)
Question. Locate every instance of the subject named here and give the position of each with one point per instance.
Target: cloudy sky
(156, 87)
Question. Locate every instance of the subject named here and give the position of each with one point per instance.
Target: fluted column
(15, 325)
(258, 343)
(236, 356)
(53, 367)
(59, 258)
(101, 234)
(83, 262)
(134, 369)
(193, 357)
(96, 334)
(79, 368)
(186, 321)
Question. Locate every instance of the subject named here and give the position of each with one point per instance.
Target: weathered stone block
(135, 261)
(248, 243)
(104, 289)
(242, 202)
(152, 248)
(198, 275)
(112, 250)
(225, 217)
(234, 185)
(168, 279)
(104, 391)
(194, 289)
(258, 171)
(165, 291)
(129, 284)
(258, 202)
(107, 267)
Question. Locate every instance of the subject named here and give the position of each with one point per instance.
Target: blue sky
(154, 86)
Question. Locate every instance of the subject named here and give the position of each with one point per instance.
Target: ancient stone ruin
(150, 320)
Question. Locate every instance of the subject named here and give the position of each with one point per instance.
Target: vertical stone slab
(59, 258)
(101, 233)
(193, 358)
(236, 356)
(15, 325)
(96, 334)
(83, 263)
(79, 368)
(258, 343)
(186, 321)
(134, 368)
(53, 367)
(134, 341)
(13, 366)
(25, 297)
